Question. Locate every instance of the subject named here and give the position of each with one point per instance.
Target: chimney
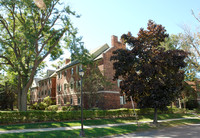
(67, 60)
(114, 40)
(116, 43)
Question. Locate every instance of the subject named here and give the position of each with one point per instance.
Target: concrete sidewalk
(85, 127)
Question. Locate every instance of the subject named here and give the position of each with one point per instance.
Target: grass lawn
(90, 122)
(99, 132)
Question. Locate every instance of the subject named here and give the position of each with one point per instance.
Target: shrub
(42, 106)
(48, 101)
(35, 106)
(52, 108)
(51, 114)
(66, 108)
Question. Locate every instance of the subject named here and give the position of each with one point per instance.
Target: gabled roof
(96, 54)
(48, 74)
(35, 82)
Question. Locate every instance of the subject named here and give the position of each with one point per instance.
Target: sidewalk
(85, 127)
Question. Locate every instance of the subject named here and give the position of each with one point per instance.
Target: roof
(96, 54)
(35, 82)
(48, 74)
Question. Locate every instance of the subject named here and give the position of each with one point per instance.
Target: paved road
(187, 131)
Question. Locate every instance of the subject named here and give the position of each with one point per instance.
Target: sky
(100, 19)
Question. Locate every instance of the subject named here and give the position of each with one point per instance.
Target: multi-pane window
(122, 100)
(118, 83)
(49, 92)
(59, 88)
(65, 100)
(72, 85)
(79, 100)
(71, 101)
(59, 101)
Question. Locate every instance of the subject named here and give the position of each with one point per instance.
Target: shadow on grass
(95, 132)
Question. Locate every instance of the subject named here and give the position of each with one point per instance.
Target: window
(79, 100)
(59, 88)
(42, 93)
(45, 92)
(65, 100)
(72, 85)
(122, 100)
(49, 92)
(72, 71)
(118, 83)
(59, 101)
(71, 101)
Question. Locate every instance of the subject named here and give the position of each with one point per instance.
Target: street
(187, 131)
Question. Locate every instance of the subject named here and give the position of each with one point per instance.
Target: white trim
(117, 92)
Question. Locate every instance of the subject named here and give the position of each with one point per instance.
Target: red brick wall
(108, 65)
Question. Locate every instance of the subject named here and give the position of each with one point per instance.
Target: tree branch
(7, 59)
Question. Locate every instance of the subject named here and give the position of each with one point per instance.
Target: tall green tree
(180, 42)
(150, 74)
(28, 35)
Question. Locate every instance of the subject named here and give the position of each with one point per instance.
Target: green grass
(95, 132)
(99, 132)
(90, 122)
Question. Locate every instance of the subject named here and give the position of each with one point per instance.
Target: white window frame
(118, 83)
(122, 100)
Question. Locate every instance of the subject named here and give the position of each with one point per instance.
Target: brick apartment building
(64, 83)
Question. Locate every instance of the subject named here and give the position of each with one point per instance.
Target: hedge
(11, 117)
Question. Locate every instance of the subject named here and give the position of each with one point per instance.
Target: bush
(8, 117)
(48, 101)
(66, 108)
(42, 106)
(191, 104)
(35, 106)
(52, 108)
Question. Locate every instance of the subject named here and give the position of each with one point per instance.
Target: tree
(180, 41)
(28, 35)
(150, 74)
(93, 82)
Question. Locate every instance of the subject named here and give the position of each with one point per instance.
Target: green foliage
(151, 74)
(52, 108)
(28, 35)
(7, 96)
(182, 42)
(9, 117)
(48, 101)
(45, 105)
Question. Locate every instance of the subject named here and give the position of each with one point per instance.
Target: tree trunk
(24, 100)
(155, 116)
(184, 104)
(179, 101)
